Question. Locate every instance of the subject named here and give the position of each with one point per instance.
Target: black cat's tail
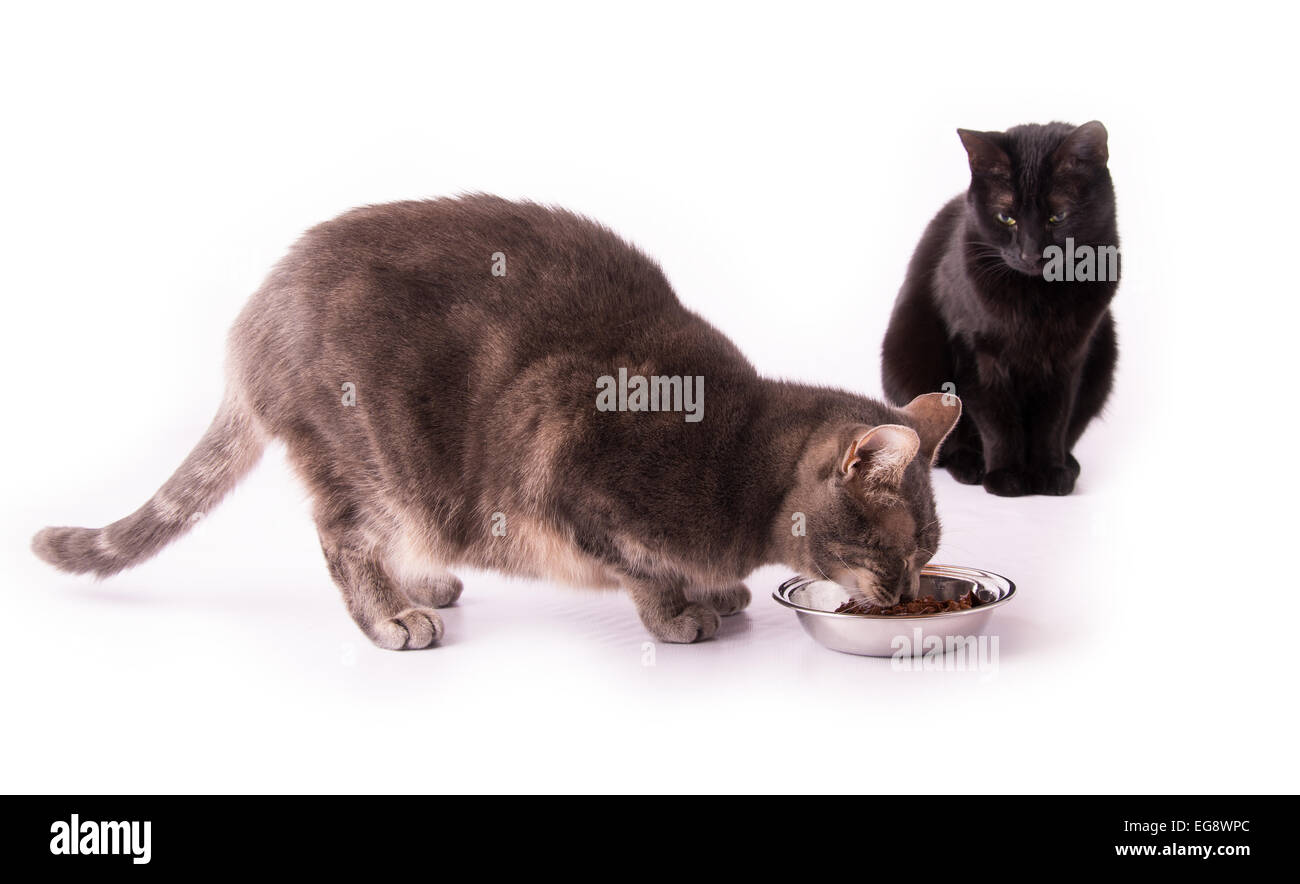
(230, 448)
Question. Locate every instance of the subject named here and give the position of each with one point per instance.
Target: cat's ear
(1085, 146)
(933, 415)
(986, 156)
(881, 455)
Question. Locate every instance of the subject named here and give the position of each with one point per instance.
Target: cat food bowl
(888, 635)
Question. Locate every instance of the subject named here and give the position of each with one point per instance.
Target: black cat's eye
(1057, 218)
(1006, 219)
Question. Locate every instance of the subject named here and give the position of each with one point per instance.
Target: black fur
(1031, 359)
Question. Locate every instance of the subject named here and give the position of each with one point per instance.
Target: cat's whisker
(842, 562)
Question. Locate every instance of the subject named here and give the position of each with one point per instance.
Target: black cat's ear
(1085, 146)
(933, 415)
(986, 156)
(881, 455)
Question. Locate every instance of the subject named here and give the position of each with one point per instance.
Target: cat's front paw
(1007, 482)
(732, 600)
(410, 630)
(695, 623)
(1057, 481)
(966, 465)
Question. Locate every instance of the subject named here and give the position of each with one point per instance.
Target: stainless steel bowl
(876, 635)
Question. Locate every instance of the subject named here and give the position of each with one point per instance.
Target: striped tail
(228, 450)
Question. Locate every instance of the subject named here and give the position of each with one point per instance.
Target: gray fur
(474, 438)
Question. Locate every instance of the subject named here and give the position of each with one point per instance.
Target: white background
(781, 163)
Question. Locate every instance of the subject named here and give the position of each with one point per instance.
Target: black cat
(1007, 305)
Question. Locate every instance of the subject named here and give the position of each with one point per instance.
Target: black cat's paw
(1007, 483)
(1058, 481)
(966, 465)
(1072, 465)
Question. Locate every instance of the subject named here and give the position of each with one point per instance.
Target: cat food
(924, 605)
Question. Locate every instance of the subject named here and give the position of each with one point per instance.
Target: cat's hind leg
(377, 605)
(1095, 384)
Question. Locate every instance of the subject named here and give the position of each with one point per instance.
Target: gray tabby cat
(433, 369)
